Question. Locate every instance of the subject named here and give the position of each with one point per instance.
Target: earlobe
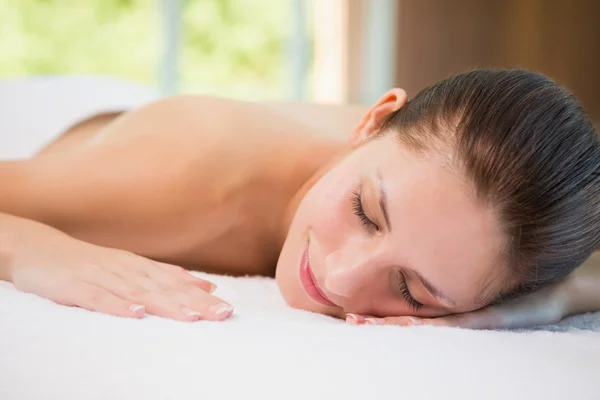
(391, 101)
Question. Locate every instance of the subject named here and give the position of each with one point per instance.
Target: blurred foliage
(235, 40)
(230, 47)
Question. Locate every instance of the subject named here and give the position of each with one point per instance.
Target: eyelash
(412, 303)
(360, 212)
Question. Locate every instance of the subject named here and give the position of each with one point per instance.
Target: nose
(348, 269)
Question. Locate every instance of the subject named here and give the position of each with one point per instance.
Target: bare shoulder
(212, 120)
(220, 121)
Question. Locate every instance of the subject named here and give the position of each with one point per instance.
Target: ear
(391, 101)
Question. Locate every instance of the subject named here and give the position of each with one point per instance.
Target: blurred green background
(235, 48)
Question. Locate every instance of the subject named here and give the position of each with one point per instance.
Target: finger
(175, 276)
(149, 293)
(449, 321)
(124, 287)
(163, 305)
(210, 307)
(357, 319)
(136, 266)
(95, 298)
(149, 284)
(399, 321)
(145, 291)
(173, 303)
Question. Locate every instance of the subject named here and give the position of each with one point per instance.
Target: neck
(311, 162)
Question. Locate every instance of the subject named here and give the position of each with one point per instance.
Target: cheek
(328, 212)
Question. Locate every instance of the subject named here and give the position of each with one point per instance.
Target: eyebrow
(383, 199)
(435, 292)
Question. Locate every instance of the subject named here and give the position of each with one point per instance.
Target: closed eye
(405, 293)
(359, 210)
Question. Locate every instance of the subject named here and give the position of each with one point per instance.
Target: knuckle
(139, 272)
(185, 286)
(92, 297)
(135, 293)
(172, 293)
(182, 286)
(174, 268)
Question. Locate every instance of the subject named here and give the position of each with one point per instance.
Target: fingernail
(190, 313)
(136, 307)
(414, 321)
(354, 319)
(212, 288)
(221, 309)
(375, 321)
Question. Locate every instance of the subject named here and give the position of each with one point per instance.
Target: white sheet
(267, 350)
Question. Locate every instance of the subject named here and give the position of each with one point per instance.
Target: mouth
(309, 282)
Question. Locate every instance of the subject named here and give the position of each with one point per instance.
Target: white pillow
(33, 111)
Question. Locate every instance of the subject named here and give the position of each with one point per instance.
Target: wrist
(581, 287)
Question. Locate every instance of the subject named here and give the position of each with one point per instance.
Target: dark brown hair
(529, 151)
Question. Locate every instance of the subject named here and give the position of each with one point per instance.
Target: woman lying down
(474, 204)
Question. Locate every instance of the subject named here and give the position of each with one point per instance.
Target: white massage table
(266, 350)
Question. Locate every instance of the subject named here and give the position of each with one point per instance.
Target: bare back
(189, 180)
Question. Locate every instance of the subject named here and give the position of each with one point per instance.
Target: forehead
(439, 228)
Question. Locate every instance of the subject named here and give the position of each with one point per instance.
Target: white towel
(270, 351)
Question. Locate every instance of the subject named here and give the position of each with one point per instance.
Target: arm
(42, 260)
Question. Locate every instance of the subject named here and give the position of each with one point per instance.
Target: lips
(309, 283)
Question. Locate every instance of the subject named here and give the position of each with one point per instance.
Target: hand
(51, 264)
(544, 307)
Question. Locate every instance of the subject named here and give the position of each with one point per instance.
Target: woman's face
(388, 232)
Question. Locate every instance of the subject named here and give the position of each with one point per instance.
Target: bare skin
(167, 215)
(203, 183)
(188, 203)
